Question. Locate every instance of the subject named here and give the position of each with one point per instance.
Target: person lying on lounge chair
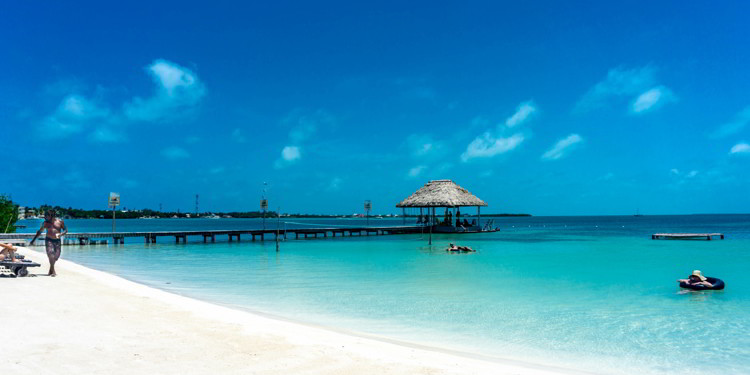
(8, 252)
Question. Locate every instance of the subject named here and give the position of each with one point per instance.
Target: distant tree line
(77, 213)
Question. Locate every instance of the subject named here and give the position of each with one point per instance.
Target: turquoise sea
(587, 293)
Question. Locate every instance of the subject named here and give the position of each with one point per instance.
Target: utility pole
(196, 205)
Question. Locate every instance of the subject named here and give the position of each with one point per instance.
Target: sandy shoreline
(88, 321)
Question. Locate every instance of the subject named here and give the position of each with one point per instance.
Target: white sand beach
(90, 322)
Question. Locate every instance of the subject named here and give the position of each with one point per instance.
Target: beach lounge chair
(19, 269)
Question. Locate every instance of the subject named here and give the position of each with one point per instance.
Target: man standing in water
(55, 230)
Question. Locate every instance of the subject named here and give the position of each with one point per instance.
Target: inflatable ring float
(718, 284)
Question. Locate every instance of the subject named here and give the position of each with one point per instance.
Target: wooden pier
(686, 236)
(232, 235)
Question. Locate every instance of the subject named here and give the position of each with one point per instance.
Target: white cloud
(290, 153)
(562, 147)
(304, 125)
(171, 76)
(77, 106)
(691, 174)
(652, 99)
(177, 91)
(174, 153)
(73, 115)
(735, 126)
(523, 113)
(416, 171)
(740, 148)
(619, 82)
(674, 171)
(487, 146)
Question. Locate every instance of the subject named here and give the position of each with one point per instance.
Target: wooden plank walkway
(686, 236)
(210, 235)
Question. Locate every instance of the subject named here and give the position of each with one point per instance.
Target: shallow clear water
(590, 293)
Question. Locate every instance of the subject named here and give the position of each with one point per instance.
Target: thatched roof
(441, 193)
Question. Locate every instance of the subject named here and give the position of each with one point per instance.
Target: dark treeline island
(77, 213)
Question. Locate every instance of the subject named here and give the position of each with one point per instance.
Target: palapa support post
(431, 223)
(479, 217)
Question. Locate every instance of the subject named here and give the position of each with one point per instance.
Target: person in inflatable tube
(696, 279)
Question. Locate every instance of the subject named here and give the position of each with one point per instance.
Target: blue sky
(548, 108)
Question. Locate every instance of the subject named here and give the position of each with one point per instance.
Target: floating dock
(687, 236)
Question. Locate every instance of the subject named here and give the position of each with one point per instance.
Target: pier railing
(210, 235)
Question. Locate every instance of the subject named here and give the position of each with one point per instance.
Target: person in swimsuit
(53, 241)
(7, 252)
(452, 247)
(696, 279)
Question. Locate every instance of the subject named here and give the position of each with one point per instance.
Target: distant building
(26, 213)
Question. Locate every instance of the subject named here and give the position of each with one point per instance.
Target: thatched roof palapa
(441, 193)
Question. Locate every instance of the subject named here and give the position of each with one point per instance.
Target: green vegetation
(8, 215)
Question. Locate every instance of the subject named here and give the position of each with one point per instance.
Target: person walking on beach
(53, 241)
